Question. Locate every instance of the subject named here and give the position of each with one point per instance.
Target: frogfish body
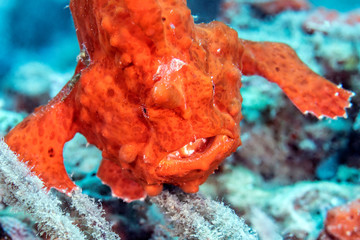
(159, 96)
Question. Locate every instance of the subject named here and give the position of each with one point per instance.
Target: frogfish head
(155, 96)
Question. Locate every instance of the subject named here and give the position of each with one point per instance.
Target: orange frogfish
(159, 96)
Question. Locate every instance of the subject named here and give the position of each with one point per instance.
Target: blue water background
(42, 30)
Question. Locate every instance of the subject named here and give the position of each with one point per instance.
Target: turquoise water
(346, 5)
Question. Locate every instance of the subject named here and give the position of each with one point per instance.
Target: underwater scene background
(291, 170)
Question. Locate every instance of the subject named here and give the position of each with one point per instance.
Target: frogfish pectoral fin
(39, 140)
(309, 92)
(119, 181)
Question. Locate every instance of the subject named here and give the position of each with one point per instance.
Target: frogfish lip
(196, 159)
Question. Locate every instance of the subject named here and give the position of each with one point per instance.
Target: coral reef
(12, 228)
(277, 6)
(321, 150)
(294, 177)
(296, 210)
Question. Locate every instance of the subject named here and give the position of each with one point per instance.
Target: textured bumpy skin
(159, 96)
(343, 222)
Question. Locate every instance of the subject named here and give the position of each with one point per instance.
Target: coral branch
(25, 192)
(195, 217)
(93, 216)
